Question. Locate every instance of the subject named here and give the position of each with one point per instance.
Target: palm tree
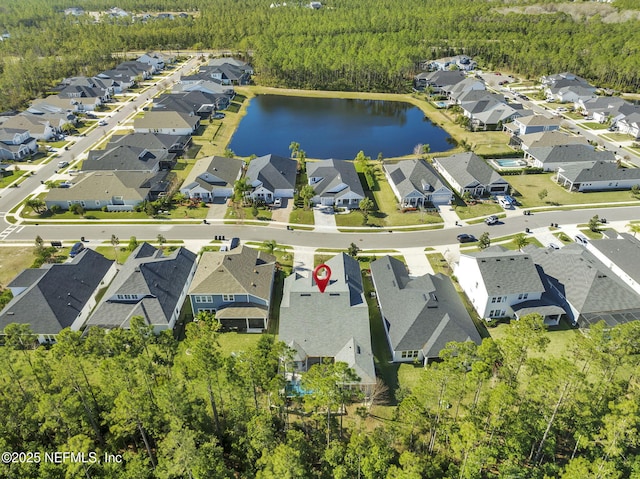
(634, 228)
(37, 205)
(366, 205)
(115, 241)
(520, 240)
(294, 147)
(270, 246)
(306, 193)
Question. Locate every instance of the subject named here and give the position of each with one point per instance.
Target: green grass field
(301, 217)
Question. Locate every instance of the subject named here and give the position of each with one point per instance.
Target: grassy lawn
(480, 209)
(561, 339)
(618, 137)
(13, 261)
(236, 342)
(89, 215)
(7, 180)
(244, 213)
(183, 168)
(591, 234)
(594, 125)
(184, 212)
(302, 217)
(109, 253)
(439, 264)
(530, 185)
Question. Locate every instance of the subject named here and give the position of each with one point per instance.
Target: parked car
(582, 239)
(491, 220)
(235, 242)
(91, 115)
(277, 202)
(102, 123)
(465, 238)
(76, 249)
(553, 246)
(218, 116)
(62, 164)
(64, 185)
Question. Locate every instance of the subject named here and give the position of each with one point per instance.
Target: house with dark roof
(505, 284)
(227, 74)
(489, 112)
(550, 158)
(180, 102)
(335, 183)
(601, 108)
(621, 254)
(467, 172)
(113, 190)
(203, 83)
(236, 285)
(440, 82)
(420, 315)
(243, 66)
(89, 97)
(16, 144)
(212, 178)
(585, 287)
(533, 124)
(174, 144)
(158, 60)
(567, 87)
(126, 158)
(333, 324)
(416, 183)
(598, 176)
(5, 170)
(271, 177)
(57, 296)
(167, 122)
(149, 285)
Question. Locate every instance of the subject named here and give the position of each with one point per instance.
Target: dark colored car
(465, 238)
(76, 249)
(235, 242)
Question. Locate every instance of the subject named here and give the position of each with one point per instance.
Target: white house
(415, 183)
(16, 144)
(467, 172)
(167, 122)
(335, 182)
(212, 178)
(271, 177)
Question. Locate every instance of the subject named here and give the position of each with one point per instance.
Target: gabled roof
(424, 313)
(538, 120)
(202, 83)
(157, 280)
(56, 293)
(409, 176)
(570, 154)
(444, 79)
(586, 283)
(495, 113)
(214, 172)
(150, 141)
(273, 172)
(552, 138)
(230, 61)
(242, 270)
(623, 251)
(467, 168)
(124, 158)
(507, 272)
(335, 174)
(599, 171)
(166, 119)
(324, 324)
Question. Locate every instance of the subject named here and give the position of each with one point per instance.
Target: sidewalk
(303, 259)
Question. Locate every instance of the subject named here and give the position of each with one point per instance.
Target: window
(525, 295)
(228, 298)
(520, 296)
(493, 300)
(491, 313)
(409, 354)
(203, 299)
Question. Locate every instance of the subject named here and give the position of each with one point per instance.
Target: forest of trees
(507, 408)
(363, 45)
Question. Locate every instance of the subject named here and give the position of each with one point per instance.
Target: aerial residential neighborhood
(224, 258)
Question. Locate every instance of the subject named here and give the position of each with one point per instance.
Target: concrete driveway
(217, 209)
(282, 213)
(324, 218)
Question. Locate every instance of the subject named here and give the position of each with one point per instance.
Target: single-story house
(175, 144)
(271, 177)
(128, 158)
(467, 172)
(567, 87)
(548, 138)
(440, 82)
(200, 83)
(335, 183)
(416, 183)
(245, 67)
(420, 315)
(236, 285)
(212, 178)
(115, 190)
(57, 296)
(167, 122)
(600, 108)
(533, 124)
(150, 285)
(333, 324)
(550, 158)
(598, 176)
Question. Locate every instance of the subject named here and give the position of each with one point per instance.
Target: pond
(334, 128)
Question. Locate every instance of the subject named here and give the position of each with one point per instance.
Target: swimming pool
(510, 163)
(441, 104)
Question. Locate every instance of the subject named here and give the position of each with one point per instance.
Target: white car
(102, 123)
(491, 220)
(277, 202)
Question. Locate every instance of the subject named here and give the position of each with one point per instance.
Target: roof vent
(253, 284)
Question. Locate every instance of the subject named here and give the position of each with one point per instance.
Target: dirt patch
(12, 261)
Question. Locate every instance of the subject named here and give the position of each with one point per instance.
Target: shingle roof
(599, 171)
(507, 272)
(149, 141)
(213, 172)
(624, 252)
(242, 270)
(55, 294)
(330, 324)
(424, 313)
(335, 173)
(159, 279)
(124, 158)
(466, 168)
(538, 120)
(587, 284)
(551, 138)
(274, 172)
(570, 154)
(166, 119)
(414, 175)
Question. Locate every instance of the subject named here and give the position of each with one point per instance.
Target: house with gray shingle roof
(115, 190)
(335, 182)
(420, 315)
(415, 183)
(630, 124)
(149, 285)
(533, 124)
(550, 158)
(621, 254)
(598, 176)
(587, 289)
(489, 112)
(505, 284)
(167, 122)
(468, 172)
(271, 177)
(16, 144)
(547, 138)
(152, 141)
(438, 81)
(601, 108)
(333, 324)
(212, 178)
(57, 296)
(567, 87)
(236, 285)
(38, 126)
(128, 158)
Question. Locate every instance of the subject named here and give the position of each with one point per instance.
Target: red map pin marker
(322, 281)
